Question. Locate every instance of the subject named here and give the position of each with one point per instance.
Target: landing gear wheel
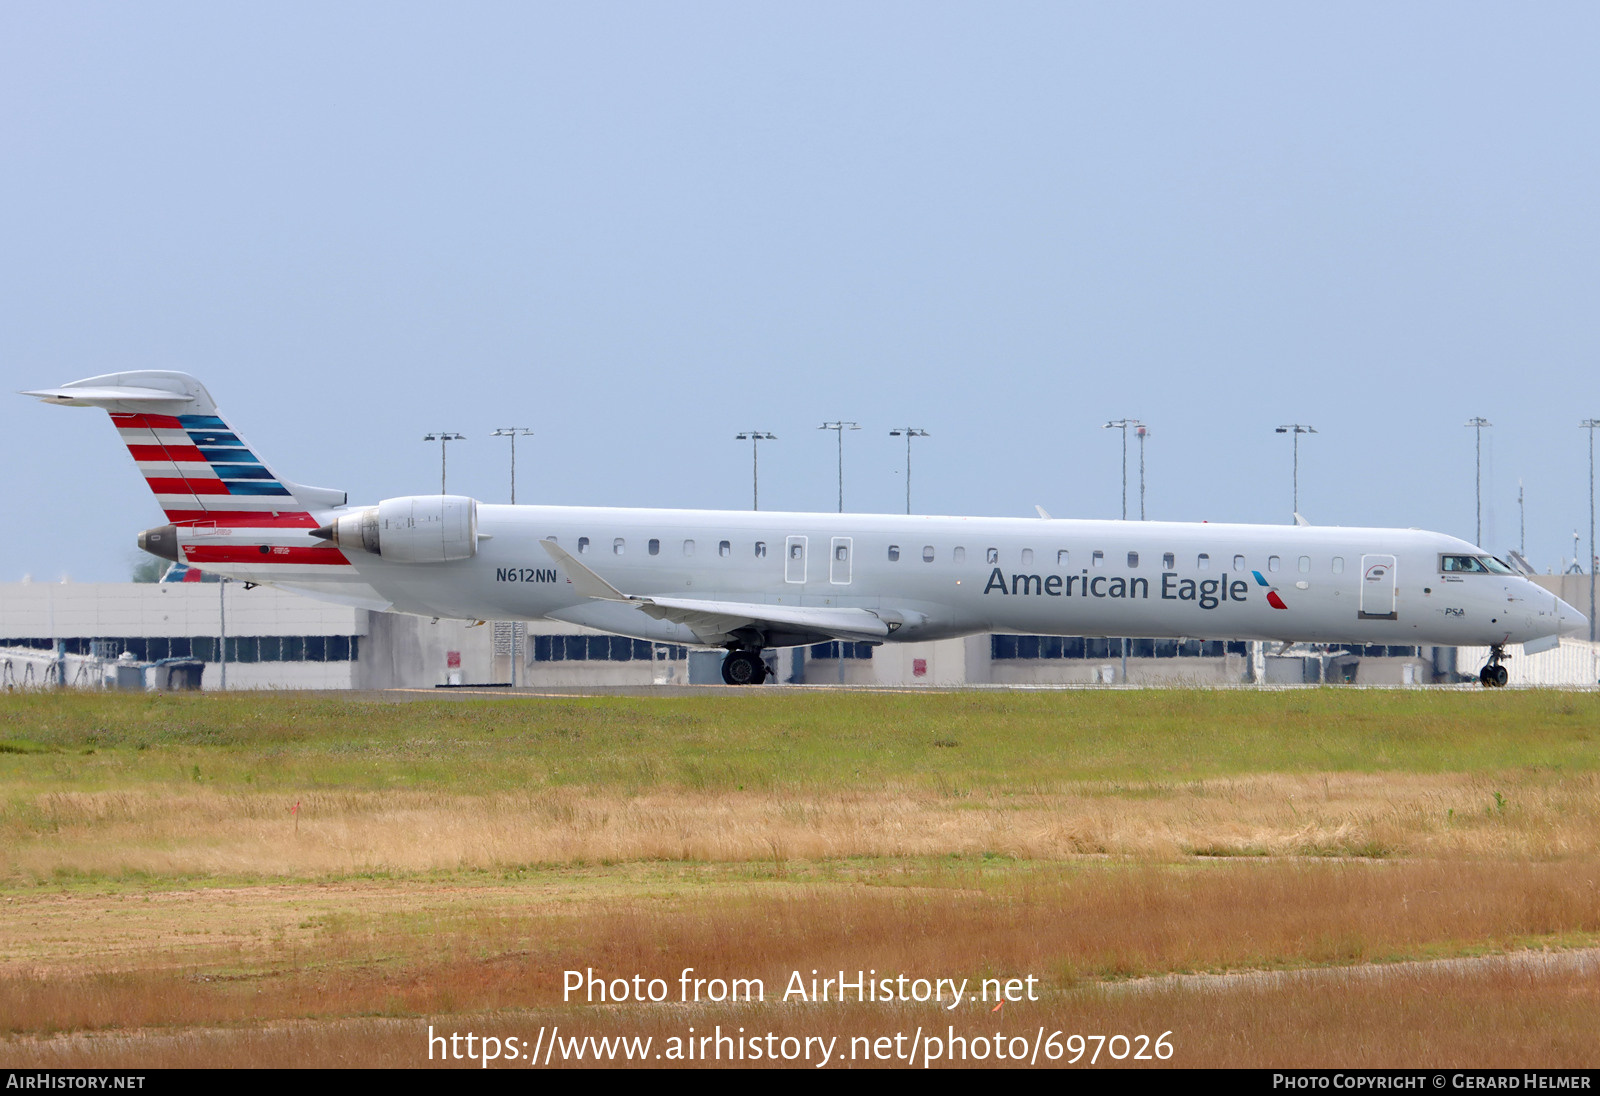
(743, 668)
(1494, 675)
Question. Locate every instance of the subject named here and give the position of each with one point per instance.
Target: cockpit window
(1460, 564)
(1496, 566)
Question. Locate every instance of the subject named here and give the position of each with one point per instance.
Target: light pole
(909, 432)
(1589, 425)
(511, 432)
(1522, 522)
(1143, 432)
(1123, 424)
(755, 438)
(1477, 423)
(222, 630)
(444, 438)
(1296, 429)
(840, 427)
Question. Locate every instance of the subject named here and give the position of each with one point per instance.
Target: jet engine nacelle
(413, 529)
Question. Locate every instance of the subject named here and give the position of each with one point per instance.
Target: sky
(639, 229)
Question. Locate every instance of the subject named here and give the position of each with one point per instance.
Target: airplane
(747, 581)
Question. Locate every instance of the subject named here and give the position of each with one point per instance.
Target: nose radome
(1571, 621)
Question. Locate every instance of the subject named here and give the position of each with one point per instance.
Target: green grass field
(184, 876)
(998, 741)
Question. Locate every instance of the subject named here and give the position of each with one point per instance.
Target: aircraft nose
(1572, 622)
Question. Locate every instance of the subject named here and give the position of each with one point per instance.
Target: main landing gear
(1494, 675)
(744, 668)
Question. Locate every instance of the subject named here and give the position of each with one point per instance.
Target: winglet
(585, 581)
(1299, 519)
(1043, 513)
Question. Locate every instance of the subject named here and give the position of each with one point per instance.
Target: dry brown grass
(202, 832)
(226, 955)
(1419, 1018)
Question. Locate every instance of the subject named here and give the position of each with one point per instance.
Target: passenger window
(796, 551)
(1027, 557)
(1133, 559)
(761, 549)
(959, 554)
(1098, 559)
(1238, 563)
(927, 553)
(655, 546)
(1273, 563)
(894, 553)
(1338, 565)
(617, 546)
(1063, 558)
(1168, 561)
(724, 549)
(841, 553)
(688, 547)
(1305, 565)
(992, 555)
(583, 545)
(1202, 562)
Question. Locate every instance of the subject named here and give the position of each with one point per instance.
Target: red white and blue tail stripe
(202, 473)
(229, 510)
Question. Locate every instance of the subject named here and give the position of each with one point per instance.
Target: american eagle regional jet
(746, 581)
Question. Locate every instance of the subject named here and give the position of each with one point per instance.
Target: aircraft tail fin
(201, 470)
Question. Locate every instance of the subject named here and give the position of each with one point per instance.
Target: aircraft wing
(715, 622)
(722, 618)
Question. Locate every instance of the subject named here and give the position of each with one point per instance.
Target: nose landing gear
(744, 668)
(1495, 675)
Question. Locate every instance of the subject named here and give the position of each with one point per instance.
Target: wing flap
(726, 617)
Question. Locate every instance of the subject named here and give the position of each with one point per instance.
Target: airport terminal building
(226, 635)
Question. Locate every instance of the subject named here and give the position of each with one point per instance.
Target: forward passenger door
(1377, 588)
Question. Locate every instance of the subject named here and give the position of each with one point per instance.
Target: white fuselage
(938, 577)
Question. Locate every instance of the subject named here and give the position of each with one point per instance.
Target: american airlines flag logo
(1272, 591)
